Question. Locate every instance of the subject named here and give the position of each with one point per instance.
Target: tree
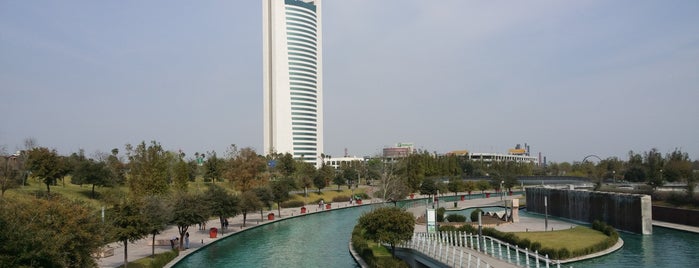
(390, 187)
(187, 210)
(116, 167)
(181, 173)
(222, 204)
(469, 186)
(483, 185)
(47, 165)
(280, 191)
(88, 171)
(428, 187)
(248, 202)
(455, 185)
(149, 168)
(48, 233)
(339, 180)
(324, 174)
(390, 225)
(678, 167)
(157, 214)
(129, 224)
(213, 167)
(266, 197)
(304, 175)
(246, 169)
(10, 173)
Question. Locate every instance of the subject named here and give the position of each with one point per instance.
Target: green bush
(474, 214)
(563, 254)
(456, 218)
(447, 228)
(440, 214)
(341, 198)
(390, 262)
(163, 258)
(292, 204)
(535, 246)
(525, 243)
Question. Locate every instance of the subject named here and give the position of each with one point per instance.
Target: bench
(104, 252)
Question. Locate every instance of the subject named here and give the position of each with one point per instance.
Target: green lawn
(573, 239)
(327, 195)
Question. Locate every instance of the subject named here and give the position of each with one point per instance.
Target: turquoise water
(322, 240)
(315, 240)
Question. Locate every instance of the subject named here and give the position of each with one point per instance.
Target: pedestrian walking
(186, 240)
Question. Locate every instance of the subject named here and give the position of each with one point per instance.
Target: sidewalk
(200, 238)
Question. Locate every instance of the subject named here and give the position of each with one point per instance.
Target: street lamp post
(502, 193)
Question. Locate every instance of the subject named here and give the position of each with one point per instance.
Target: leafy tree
(677, 166)
(55, 233)
(428, 187)
(157, 214)
(181, 174)
(280, 191)
(483, 185)
(266, 197)
(469, 186)
(187, 210)
(116, 167)
(339, 180)
(389, 225)
(222, 204)
(635, 174)
(149, 167)
(129, 224)
(248, 202)
(304, 175)
(324, 174)
(246, 169)
(214, 167)
(47, 165)
(455, 185)
(88, 171)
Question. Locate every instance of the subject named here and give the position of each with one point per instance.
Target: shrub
(341, 198)
(456, 218)
(447, 228)
(292, 204)
(563, 254)
(535, 246)
(525, 243)
(474, 214)
(440, 214)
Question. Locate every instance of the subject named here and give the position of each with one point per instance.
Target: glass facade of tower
(302, 43)
(293, 78)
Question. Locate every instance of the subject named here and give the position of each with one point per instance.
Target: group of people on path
(175, 240)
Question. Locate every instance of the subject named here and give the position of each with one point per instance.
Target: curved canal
(322, 239)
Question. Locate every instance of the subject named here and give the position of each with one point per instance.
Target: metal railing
(448, 247)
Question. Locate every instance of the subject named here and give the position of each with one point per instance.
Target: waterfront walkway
(200, 238)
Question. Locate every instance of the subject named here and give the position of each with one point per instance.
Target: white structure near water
(293, 78)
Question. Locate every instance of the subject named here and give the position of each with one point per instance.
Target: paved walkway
(200, 238)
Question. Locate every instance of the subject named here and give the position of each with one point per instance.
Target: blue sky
(570, 78)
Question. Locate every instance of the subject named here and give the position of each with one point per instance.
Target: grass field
(573, 239)
(327, 195)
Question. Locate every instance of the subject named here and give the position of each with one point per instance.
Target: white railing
(448, 248)
(448, 254)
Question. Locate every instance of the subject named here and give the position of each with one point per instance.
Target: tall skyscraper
(293, 78)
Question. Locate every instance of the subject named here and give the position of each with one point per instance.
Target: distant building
(401, 150)
(343, 161)
(519, 154)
